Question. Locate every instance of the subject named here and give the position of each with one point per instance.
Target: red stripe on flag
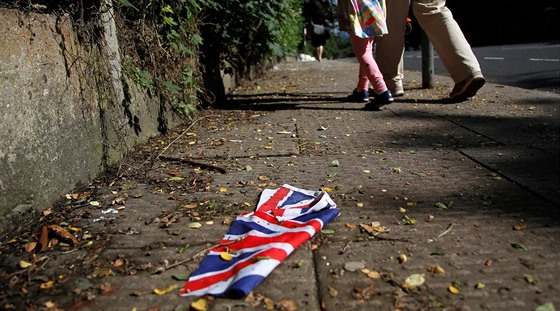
(272, 253)
(274, 200)
(317, 225)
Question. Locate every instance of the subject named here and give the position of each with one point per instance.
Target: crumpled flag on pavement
(257, 242)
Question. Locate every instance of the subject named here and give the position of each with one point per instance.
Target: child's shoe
(380, 100)
(358, 96)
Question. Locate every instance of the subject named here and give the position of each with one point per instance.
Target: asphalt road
(531, 66)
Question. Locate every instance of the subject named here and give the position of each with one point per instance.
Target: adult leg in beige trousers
(446, 36)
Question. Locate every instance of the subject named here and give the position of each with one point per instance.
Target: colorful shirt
(362, 18)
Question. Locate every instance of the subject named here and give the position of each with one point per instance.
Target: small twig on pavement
(446, 231)
(196, 163)
(379, 238)
(202, 252)
(171, 143)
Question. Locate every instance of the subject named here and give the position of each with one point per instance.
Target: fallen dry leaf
(189, 205)
(226, 256)
(200, 305)
(63, 234)
(520, 227)
(413, 281)
(44, 238)
(371, 274)
(47, 285)
(437, 270)
(333, 292)
(165, 290)
(49, 305)
(24, 264)
(269, 303)
(373, 229)
(29, 247)
(287, 305)
(106, 288)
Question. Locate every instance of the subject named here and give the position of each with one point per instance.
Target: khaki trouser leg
(447, 38)
(389, 49)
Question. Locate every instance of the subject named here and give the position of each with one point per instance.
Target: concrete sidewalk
(468, 195)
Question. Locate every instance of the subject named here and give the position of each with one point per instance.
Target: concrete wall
(60, 122)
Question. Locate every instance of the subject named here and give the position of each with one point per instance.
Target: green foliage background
(240, 33)
(247, 32)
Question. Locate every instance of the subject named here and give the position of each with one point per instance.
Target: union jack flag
(257, 242)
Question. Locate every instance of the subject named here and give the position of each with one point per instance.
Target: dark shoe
(380, 100)
(468, 87)
(396, 91)
(358, 96)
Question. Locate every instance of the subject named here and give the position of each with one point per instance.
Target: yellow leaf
(223, 189)
(371, 274)
(520, 227)
(453, 290)
(88, 244)
(373, 229)
(94, 203)
(328, 189)
(165, 290)
(195, 225)
(226, 256)
(71, 228)
(200, 305)
(47, 285)
(50, 305)
(437, 270)
(24, 264)
(414, 281)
